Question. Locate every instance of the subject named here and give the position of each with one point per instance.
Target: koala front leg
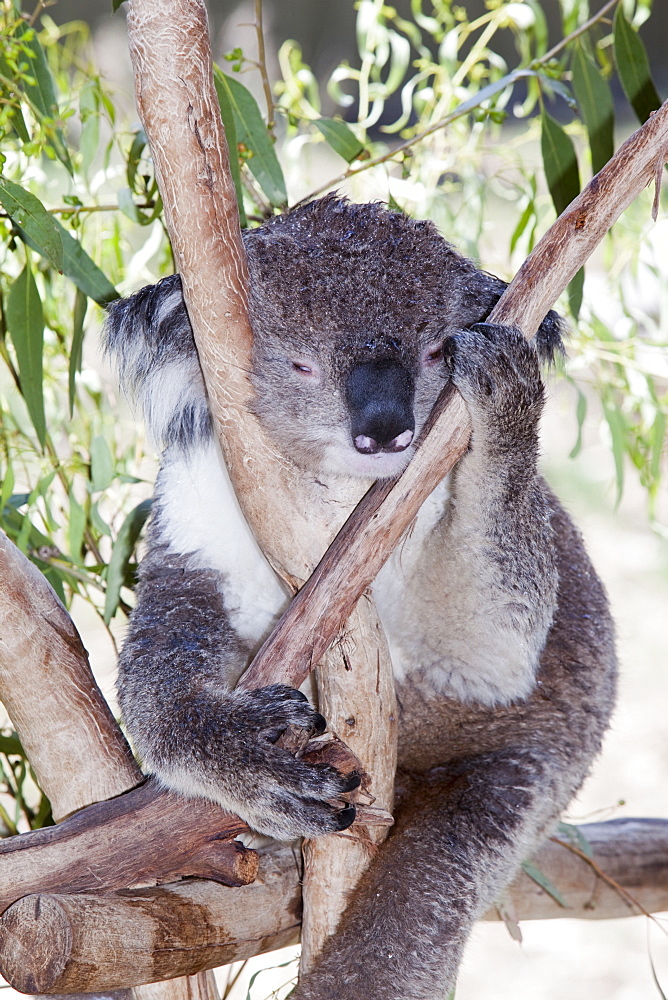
(177, 670)
(490, 564)
(459, 841)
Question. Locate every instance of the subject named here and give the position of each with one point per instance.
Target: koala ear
(484, 290)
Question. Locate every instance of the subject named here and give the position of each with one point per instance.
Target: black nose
(380, 401)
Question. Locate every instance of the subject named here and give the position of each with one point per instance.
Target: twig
(262, 65)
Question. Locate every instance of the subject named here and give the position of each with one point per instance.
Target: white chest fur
(201, 516)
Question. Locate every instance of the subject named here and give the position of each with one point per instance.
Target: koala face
(349, 332)
(353, 411)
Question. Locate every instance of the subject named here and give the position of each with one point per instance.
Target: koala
(499, 630)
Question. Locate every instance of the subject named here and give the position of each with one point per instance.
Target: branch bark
(292, 517)
(66, 727)
(100, 942)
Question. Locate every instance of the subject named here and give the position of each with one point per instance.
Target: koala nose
(380, 402)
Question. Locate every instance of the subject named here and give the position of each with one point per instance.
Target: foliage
(429, 117)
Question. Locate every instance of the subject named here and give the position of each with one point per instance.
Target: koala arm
(477, 603)
(198, 735)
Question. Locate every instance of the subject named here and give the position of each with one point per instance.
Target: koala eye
(305, 367)
(433, 355)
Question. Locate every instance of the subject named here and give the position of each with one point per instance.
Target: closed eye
(433, 355)
(306, 367)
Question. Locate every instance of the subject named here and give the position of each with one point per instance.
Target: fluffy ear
(150, 341)
(485, 291)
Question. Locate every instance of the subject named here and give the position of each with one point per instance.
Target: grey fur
(499, 628)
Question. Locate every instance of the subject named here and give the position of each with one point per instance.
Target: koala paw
(497, 372)
(236, 761)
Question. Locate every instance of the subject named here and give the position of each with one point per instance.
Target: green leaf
(617, 425)
(11, 744)
(575, 836)
(544, 882)
(595, 102)
(560, 163)
(42, 91)
(633, 68)
(580, 413)
(29, 213)
(102, 466)
(252, 134)
(115, 4)
(575, 291)
(123, 548)
(227, 114)
(76, 350)
(79, 267)
(76, 527)
(25, 320)
(342, 139)
(89, 140)
(15, 114)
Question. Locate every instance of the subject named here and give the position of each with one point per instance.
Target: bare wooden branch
(122, 842)
(72, 740)
(293, 517)
(95, 941)
(67, 944)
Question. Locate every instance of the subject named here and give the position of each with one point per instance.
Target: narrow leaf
(575, 292)
(42, 92)
(633, 68)
(101, 464)
(227, 114)
(76, 350)
(76, 527)
(25, 320)
(252, 134)
(576, 837)
(560, 163)
(595, 102)
(79, 267)
(616, 423)
(541, 879)
(120, 556)
(342, 139)
(15, 115)
(29, 213)
(580, 413)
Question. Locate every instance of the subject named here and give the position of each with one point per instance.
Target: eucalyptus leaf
(28, 212)
(595, 102)
(122, 551)
(25, 321)
(76, 350)
(559, 162)
(340, 137)
(101, 464)
(541, 879)
(41, 90)
(252, 134)
(78, 266)
(229, 124)
(633, 67)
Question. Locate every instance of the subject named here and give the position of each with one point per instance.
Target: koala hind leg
(460, 838)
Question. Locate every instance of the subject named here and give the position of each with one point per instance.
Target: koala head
(350, 306)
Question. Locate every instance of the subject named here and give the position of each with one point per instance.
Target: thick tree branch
(66, 727)
(95, 941)
(293, 517)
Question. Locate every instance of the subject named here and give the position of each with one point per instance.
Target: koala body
(499, 630)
